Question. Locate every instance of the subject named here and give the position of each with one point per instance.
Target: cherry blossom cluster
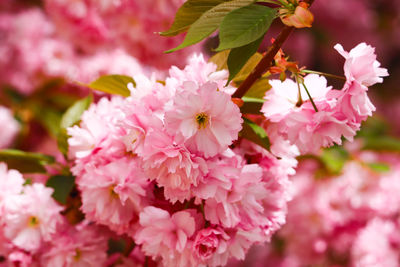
(330, 114)
(164, 167)
(34, 233)
(115, 37)
(131, 25)
(347, 220)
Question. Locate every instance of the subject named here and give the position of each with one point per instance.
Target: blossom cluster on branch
(180, 160)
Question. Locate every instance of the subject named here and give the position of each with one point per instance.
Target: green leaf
(48, 117)
(188, 13)
(334, 159)
(113, 84)
(255, 133)
(379, 166)
(374, 126)
(383, 143)
(25, 162)
(62, 186)
(239, 56)
(209, 22)
(71, 116)
(248, 68)
(116, 246)
(220, 59)
(245, 25)
(251, 105)
(62, 141)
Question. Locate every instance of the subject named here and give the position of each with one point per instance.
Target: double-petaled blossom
(210, 242)
(301, 124)
(361, 65)
(165, 235)
(80, 245)
(113, 194)
(27, 225)
(331, 114)
(172, 166)
(161, 170)
(205, 119)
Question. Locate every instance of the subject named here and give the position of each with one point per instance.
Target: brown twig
(265, 62)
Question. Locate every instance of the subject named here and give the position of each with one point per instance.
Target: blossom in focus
(361, 65)
(205, 118)
(112, 193)
(336, 113)
(172, 166)
(210, 241)
(303, 125)
(164, 235)
(157, 167)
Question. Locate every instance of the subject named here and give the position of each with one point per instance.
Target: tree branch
(265, 62)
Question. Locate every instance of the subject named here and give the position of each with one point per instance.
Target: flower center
(112, 192)
(202, 120)
(77, 255)
(33, 221)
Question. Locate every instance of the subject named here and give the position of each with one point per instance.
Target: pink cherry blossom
(200, 71)
(9, 125)
(361, 65)
(165, 235)
(24, 32)
(172, 166)
(303, 125)
(282, 98)
(112, 194)
(131, 25)
(204, 118)
(354, 103)
(376, 245)
(210, 242)
(98, 139)
(28, 225)
(80, 245)
(11, 183)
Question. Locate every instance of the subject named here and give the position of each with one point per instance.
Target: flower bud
(300, 18)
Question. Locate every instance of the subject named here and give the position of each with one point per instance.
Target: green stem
(309, 96)
(268, 1)
(299, 99)
(324, 74)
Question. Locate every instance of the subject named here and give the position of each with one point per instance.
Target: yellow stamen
(112, 192)
(77, 255)
(202, 120)
(33, 221)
